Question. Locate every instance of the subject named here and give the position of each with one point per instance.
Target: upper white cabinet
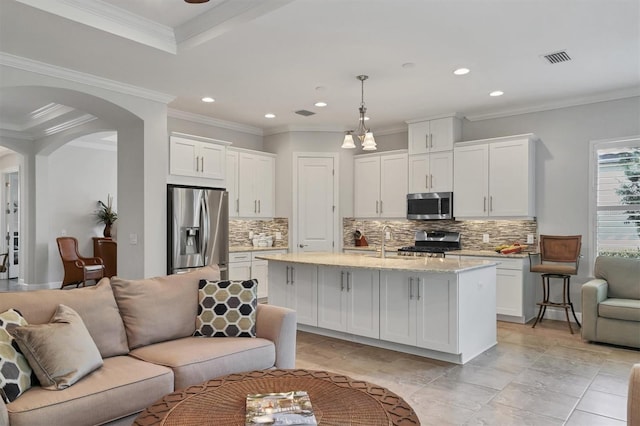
(431, 172)
(380, 185)
(495, 177)
(434, 135)
(196, 156)
(252, 186)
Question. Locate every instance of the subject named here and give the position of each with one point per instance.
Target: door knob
(302, 245)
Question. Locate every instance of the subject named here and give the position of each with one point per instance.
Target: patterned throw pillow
(15, 372)
(227, 308)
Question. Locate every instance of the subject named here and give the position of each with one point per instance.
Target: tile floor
(541, 376)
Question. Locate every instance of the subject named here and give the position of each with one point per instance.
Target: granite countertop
(395, 263)
(237, 249)
(489, 253)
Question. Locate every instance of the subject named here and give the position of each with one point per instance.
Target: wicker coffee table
(336, 400)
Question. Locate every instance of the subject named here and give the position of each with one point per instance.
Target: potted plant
(106, 215)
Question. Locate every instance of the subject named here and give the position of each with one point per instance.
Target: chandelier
(362, 132)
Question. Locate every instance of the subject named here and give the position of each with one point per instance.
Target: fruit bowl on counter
(510, 248)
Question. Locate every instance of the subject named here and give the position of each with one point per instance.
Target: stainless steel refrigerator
(198, 228)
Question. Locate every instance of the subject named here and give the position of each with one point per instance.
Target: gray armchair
(611, 302)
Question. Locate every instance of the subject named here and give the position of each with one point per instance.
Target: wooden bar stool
(559, 257)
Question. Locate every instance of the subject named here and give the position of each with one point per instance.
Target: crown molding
(111, 19)
(210, 121)
(79, 143)
(391, 131)
(43, 68)
(70, 124)
(14, 134)
(433, 117)
(565, 103)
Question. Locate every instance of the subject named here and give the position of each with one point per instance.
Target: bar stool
(558, 258)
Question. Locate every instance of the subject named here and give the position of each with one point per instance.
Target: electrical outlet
(251, 235)
(278, 235)
(63, 232)
(485, 238)
(133, 239)
(387, 235)
(529, 238)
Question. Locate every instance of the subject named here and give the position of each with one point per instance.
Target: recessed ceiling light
(321, 104)
(408, 65)
(269, 115)
(496, 93)
(461, 71)
(208, 99)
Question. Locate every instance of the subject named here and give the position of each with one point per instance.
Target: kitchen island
(434, 307)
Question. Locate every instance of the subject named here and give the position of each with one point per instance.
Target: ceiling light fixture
(364, 134)
(321, 104)
(461, 71)
(269, 115)
(196, 1)
(208, 99)
(496, 93)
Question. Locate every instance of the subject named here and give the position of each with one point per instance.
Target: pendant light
(362, 132)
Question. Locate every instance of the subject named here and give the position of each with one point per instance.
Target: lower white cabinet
(245, 266)
(515, 289)
(295, 286)
(349, 300)
(419, 310)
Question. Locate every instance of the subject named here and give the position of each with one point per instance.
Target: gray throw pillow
(60, 352)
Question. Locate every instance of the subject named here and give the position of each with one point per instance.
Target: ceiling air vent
(557, 57)
(304, 112)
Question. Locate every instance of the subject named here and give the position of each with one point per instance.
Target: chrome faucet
(384, 234)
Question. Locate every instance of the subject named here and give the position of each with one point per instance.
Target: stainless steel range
(432, 244)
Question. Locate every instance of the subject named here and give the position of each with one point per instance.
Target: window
(616, 195)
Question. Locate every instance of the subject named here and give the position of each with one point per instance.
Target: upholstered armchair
(611, 302)
(77, 269)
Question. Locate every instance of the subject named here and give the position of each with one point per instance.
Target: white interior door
(315, 204)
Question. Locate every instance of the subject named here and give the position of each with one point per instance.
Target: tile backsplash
(402, 231)
(239, 230)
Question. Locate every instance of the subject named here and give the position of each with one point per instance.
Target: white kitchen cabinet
(515, 289)
(348, 300)
(434, 135)
(380, 185)
(495, 178)
(196, 156)
(245, 266)
(295, 286)
(232, 183)
(419, 310)
(431, 172)
(255, 183)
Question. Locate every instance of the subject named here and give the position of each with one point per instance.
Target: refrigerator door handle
(204, 221)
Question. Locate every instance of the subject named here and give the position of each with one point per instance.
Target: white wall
(237, 138)
(78, 178)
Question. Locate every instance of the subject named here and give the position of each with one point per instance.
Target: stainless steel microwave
(430, 206)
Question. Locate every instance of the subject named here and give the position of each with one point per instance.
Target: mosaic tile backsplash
(239, 230)
(402, 231)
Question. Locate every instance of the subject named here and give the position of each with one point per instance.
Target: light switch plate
(387, 235)
(278, 235)
(485, 238)
(529, 238)
(133, 239)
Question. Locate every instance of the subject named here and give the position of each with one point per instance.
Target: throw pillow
(227, 308)
(15, 372)
(159, 309)
(61, 352)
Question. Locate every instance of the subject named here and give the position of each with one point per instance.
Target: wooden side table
(107, 250)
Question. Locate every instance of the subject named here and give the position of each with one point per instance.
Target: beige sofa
(611, 302)
(143, 330)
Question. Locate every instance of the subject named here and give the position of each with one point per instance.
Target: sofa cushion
(61, 352)
(621, 274)
(622, 309)
(15, 372)
(161, 308)
(123, 386)
(95, 305)
(227, 308)
(197, 359)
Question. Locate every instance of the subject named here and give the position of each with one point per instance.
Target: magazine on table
(284, 408)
